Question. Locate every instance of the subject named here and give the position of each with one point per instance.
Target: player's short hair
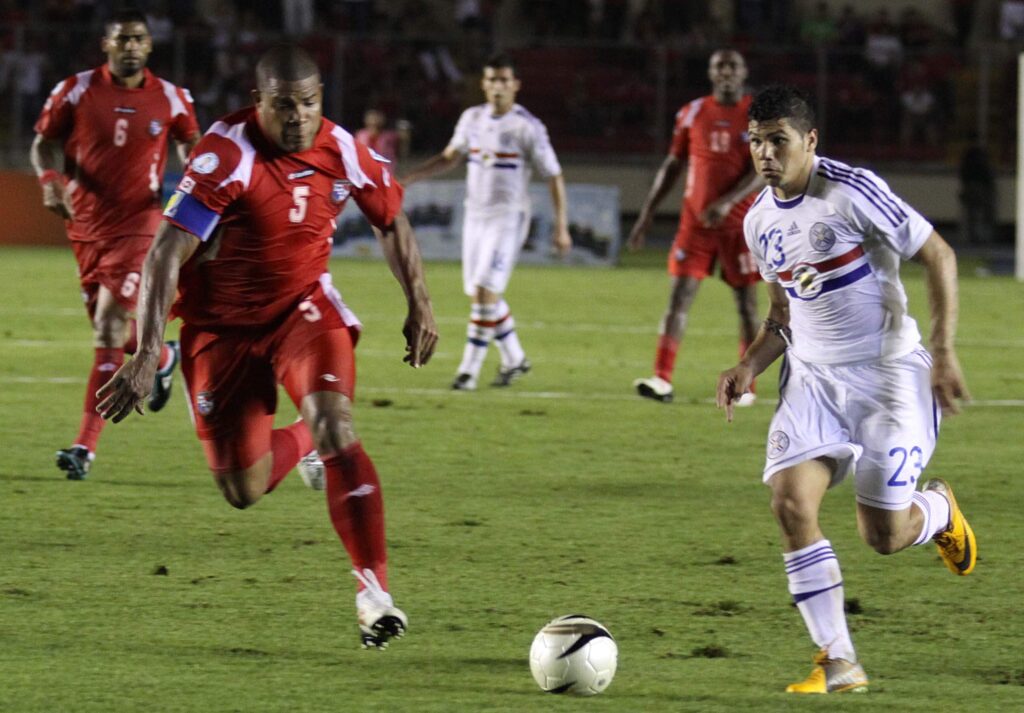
(500, 60)
(780, 101)
(285, 63)
(123, 16)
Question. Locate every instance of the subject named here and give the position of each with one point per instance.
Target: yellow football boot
(832, 676)
(957, 545)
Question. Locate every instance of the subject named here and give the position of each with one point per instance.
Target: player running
(711, 134)
(99, 152)
(856, 386)
(245, 243)
(500, 142)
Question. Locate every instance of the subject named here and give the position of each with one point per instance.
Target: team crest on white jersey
(155, 127)
(807, 286)
(778, 442)
(822, 237)
(506, 138)
(205, 163)
(340, 190)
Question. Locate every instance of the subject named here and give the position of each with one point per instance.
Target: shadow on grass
(98, 481)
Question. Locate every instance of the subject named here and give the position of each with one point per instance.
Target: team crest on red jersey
(155, 127)
(340, 191)
(204, 403)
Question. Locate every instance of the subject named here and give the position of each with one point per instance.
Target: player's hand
(561, 241)
(638, 233)
(420, 332)
(57, 200)
(715, 214)
(732, 384)
(127, 389)
(948, 382)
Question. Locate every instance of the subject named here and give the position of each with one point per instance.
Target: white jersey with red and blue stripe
(501, 154)
(836, 250)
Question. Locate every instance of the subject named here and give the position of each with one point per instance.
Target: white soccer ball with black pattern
(573, 654)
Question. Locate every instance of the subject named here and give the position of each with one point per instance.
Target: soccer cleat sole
(71, 466)
(648, 393)
(384, 629)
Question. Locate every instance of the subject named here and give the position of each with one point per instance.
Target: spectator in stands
(819, 28)
(160, 23)
(850, 27)
(298, 17)
(377, 136)
(917, 115)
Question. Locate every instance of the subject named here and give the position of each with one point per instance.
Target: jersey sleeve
(460, 138)
(57, 117)
(380, 196)
(680, 135)
(757, 249)
(874, 208)
(542, 153)
(184, 125)
(215, 178)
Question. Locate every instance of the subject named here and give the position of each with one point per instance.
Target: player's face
(727, 72)
(127, 46)
(500, 87)
(290, 112)
(782, 155)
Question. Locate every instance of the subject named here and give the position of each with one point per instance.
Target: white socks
(479, 333)
(817, 588)
(936, 511)
(506, 339)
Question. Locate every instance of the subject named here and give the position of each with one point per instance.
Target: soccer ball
(573, 654)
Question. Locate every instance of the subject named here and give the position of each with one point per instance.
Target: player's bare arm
(130, 385)
(434, 166)
(184, 148)
(403, 255)
(562, 239)
(47, 157)
(770, 343)
(939, 262)
(663, 182)
(717, 211)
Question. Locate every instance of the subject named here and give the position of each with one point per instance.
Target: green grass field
(563, 494)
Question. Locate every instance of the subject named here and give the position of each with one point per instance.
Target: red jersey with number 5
(115, 148)
(267, 217)
(712, 139)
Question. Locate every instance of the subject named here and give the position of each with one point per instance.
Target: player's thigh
(739, 269)
(693, 252)
(500, 239)
(897, 425)
(808, 423)
(232, 398)
(120, 267)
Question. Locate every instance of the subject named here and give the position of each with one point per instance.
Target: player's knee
(109, 331)
(333, 431)
(240, 492)
(792, 513)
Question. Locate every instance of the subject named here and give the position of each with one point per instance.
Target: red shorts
(696, 249)
(116, 264)
(232, 375)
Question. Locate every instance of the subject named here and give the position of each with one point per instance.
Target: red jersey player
(245, 244)
(99, 151)
(711, 134)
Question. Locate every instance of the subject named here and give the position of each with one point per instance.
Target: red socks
(665, 359)
(287, 446)
(105, 363)
(356, 507)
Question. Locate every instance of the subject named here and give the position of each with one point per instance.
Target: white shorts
(881, 416)
(490, 248)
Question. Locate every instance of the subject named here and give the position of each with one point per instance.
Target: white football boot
(654, 387)
(311, 470)
(379, 619)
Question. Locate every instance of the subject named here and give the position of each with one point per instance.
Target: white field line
(503, 393)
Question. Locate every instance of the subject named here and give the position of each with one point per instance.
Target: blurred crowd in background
(891, 82)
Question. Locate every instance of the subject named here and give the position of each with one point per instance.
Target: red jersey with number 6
(267, 217)
(115, 148)
(712, 139)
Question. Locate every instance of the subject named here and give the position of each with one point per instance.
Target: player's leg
(690, 260)
(110, 322)
(899, 440)
(506, 252)
(815, 580)
(355, 503)
(476, 248)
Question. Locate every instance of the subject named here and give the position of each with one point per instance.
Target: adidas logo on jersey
(300, 174)
(793, 229)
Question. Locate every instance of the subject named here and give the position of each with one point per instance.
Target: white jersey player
(502, 145)
(858, 392)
